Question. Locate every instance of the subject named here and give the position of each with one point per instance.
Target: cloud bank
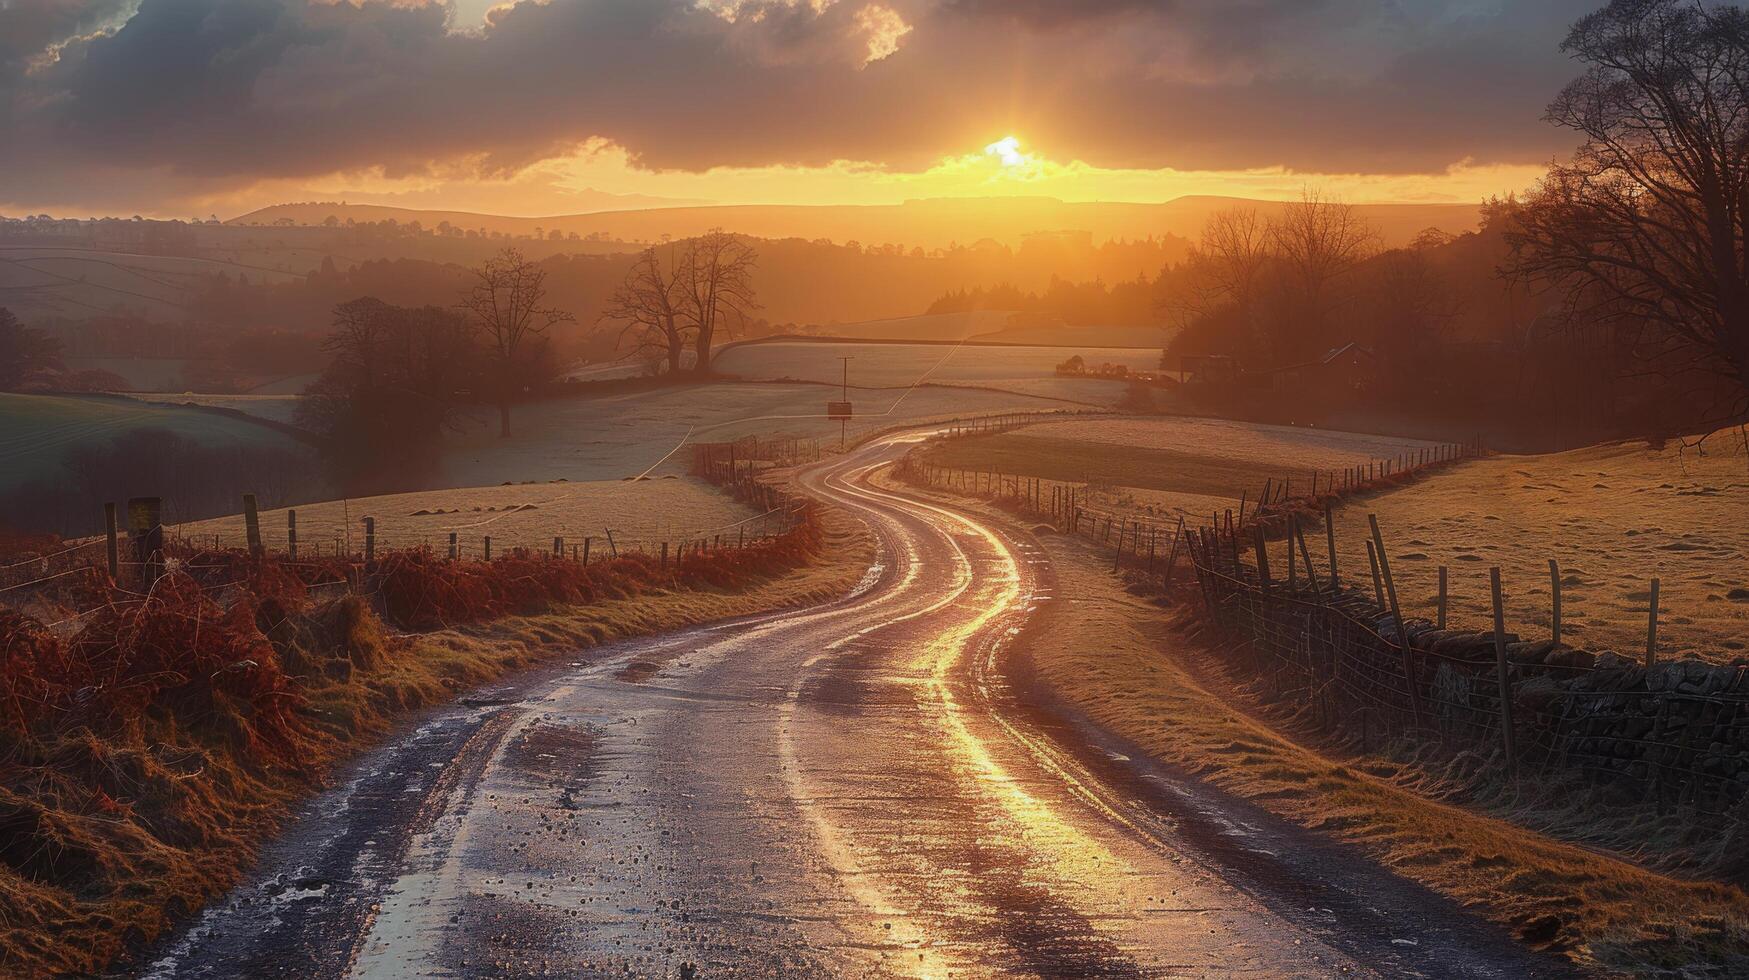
(105, 101)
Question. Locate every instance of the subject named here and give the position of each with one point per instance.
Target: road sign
(838, 411)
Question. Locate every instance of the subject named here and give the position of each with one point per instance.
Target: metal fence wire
(1675, 734)
(1671, 734)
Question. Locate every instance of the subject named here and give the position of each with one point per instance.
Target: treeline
(1132, 303)
(32, 360)
(1612, 300)
(232, 318)
(400, 374)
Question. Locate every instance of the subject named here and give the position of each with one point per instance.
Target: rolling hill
(935, 223)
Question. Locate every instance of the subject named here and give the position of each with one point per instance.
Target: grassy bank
(1145, 673)
(143, 760)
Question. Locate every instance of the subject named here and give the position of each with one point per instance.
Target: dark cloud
(29, 27)
(218, 93)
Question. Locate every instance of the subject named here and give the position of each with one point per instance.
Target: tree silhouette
(505, 306)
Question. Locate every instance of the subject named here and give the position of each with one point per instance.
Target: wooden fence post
(486, 548)
(610, 545)
(1262, 558)
(1173, 558)
(1293, 526)
(291, 534)
(370, 539)
(1378, 583)
(114, 549)
(1503, 675)
(1306, 554)
(1410, 666)
(252, 524)
(146, 532)
(1652, 627)
(1442, 596)
(558, 547)
(454, 551)
(586, 540)
(664, 554)
(1330, 537)
(1555, 594)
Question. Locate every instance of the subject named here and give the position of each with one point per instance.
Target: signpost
(839, 411)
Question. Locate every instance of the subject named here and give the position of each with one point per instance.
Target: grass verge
(127, 801)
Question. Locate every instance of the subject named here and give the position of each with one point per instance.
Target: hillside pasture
(927, 326)
(77, 282)
(1613, 516)
(1024, 370)
(37, 430)
(272, 407)
(617, 436)
(140, 373)
(641, 514)
(1168, 466)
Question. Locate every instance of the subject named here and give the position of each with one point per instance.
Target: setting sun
(1007, 150)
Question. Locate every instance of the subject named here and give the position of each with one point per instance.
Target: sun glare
(1007, 150)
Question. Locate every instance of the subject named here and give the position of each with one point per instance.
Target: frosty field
(1613, 516)
(640, 513)
(36, 430)
(612, 437)
(1031, 370)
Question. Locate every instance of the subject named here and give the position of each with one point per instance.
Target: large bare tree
(716, 280)
(361, 330)
(1645, 226)
(505, 306)
(1320, 241)
(1238, 246)
(1226, 268)
(648, 302)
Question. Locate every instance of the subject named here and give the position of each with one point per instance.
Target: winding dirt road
(867, 788)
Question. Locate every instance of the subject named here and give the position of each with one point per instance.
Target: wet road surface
(863, 789)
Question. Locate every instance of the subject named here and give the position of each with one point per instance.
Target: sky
(190, 108)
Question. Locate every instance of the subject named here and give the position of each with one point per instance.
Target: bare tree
(1319, 242)
(1646, 225)
(505, 305)
(1238, 246)
(1223, 274)
(1408, 310)
(361, 329)
(716, 280)
(383, 403)
(649, 303)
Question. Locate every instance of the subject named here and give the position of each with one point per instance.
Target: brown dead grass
(1142, 673)
(1614, 516)
(105, 840)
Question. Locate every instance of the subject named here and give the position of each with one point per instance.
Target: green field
(1026, 370)
(37, 430)
(619, 436)
(274, 408)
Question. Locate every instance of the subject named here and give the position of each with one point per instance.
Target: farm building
(1342, 371)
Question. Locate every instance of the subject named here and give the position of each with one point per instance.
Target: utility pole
(844, 395)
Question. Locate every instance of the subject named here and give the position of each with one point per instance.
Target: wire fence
(1671, 735)
(68, 582)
